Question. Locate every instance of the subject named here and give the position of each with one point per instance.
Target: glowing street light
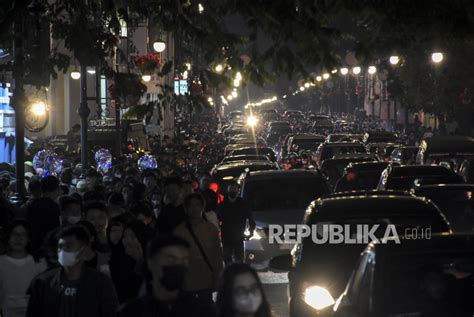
(234, 94)
(159, 46)
(344, 71)
(394, 60)
(252, 121)
(302, 88)
(238, 76)
(219, 68)
(91, 71)
(372, 70)
(38, 109)
(334, 71)
(146, 78)
(229, 97)
(307, 85)
(75, 75)
(326, 76)
(319, 78)
(437, 57)
(200, 8)
(356, 70)
(209, 99)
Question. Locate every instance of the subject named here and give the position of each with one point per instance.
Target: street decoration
(46, 163)
(103, 158)
(147, 64)
(147, 162)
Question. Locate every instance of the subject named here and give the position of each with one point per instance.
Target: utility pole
(84, 112)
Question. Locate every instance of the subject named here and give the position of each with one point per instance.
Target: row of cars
(424, 192)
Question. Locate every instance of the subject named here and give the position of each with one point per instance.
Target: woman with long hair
(17, 268)
(241, 293)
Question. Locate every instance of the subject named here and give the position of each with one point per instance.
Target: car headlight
(318, 297)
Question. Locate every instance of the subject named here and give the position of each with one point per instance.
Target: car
(277, 197)
(244, 157)
(258, 151)
(225, 174)
(328, 150)
(304, 142)
(418, 277)
(456, 201)
(324, 269)
(279, 127)
(343, 137)
(243, 144)
(380, 137)
(382, 150)
(334, 168)
(404, 155)
(370, 193)
(451, 149)
(367, 174)
(403, 177)
(322, 123)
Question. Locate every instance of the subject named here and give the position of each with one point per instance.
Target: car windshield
(288, 193)
(307, 144)
(430, 285)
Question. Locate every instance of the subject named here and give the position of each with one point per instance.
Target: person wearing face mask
(168, 262)
(72, 289)
(172, 212)
(71, 210)
(234, 213)
(206, 260)
(17, 268)
(241, 293)
(43, 213)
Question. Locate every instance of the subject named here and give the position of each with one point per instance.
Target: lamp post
(84, 112)
(436, 58)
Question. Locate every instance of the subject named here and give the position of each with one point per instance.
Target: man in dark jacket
(168, 261)
(43, 213)
(234, 214)
(72, 290)
(348, 182)
(172, 213)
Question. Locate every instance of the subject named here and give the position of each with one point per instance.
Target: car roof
(374, 193)
(257, 175)
(368, 166)
(372, 205)
(347, 158)
(441, 187)
(414, 170)
(339, 144)
(308, 137)
(243, 163)
(448, 144)
(443, 242)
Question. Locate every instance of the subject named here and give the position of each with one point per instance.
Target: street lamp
(356, 70)
(326, 76)
(344, 71)
(229, 97)
(394, 60)
(437, 57)
(234, 94)
(90, 71)
(219, 68)
(159, 46)
(75, 75)
(307, 85)
(302, 88)
(39, 108)
(334, 71)
(372, 70)
(146, 78)
(319, 78)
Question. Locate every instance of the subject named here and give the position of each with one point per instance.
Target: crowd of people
(131, 241)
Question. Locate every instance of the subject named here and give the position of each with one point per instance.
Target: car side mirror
(281, 262)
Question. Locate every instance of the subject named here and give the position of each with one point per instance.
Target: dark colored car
(277, 197)
(367, 174)
(329, 150)
(321, 270)
(244, 157)
(418, 277)
(405, 177)
(334, 167)
(257, 151)
(228, 173)
(456, 201)
(404, 155)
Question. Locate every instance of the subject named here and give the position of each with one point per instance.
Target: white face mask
(73, 219)
(247, 304)
(67, 258)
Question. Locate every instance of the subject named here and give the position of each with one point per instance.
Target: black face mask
(173, 276)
